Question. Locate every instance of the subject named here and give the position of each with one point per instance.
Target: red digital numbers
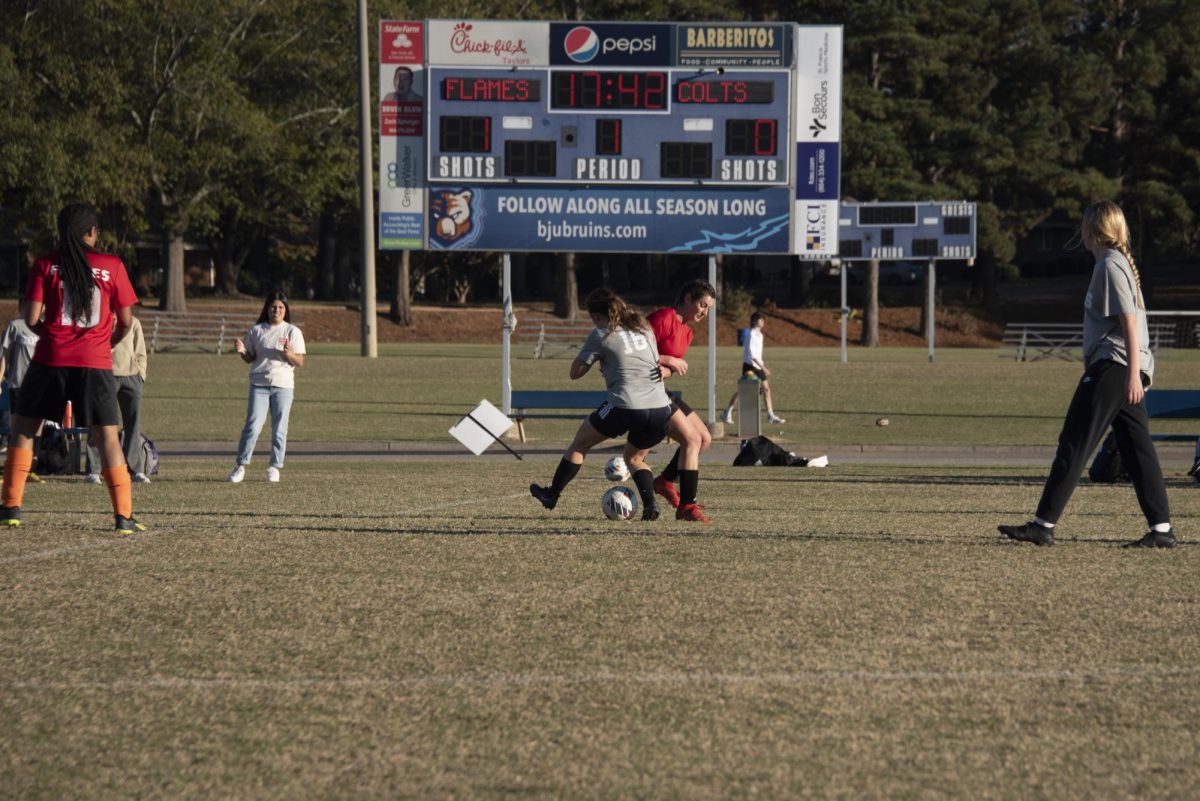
(603, 91)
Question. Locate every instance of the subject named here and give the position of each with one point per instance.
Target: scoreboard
(610, 137)
(617, 127)
(889, 231)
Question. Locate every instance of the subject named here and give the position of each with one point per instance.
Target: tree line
(234, 124)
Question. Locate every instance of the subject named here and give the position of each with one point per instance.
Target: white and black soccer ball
(619, 503)
(615, 469)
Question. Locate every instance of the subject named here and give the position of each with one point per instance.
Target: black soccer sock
(689, 485)
(563, 475)
(644, 481)
(671, 471)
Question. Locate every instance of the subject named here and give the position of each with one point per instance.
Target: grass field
(416, 392)
(425, 630)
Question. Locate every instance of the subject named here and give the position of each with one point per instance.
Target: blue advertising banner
(611, 44)
(817, 171)
(607, 220)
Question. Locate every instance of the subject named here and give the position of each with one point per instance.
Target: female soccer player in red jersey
(673, 334)
(81, 290)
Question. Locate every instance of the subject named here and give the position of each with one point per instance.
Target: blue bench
(1177, 404)
(540, 400)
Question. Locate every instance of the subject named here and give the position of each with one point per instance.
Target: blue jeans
(279, 400)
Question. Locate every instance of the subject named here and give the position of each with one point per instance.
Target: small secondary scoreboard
(929, 231)
(610, 137)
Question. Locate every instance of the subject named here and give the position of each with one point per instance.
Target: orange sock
(120, 489)
(17, 463)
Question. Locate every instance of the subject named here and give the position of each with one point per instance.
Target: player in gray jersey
(1118, 369)
(637, 401)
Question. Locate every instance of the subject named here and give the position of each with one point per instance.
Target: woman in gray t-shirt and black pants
(1119, 368)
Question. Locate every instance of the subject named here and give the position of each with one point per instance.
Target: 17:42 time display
(603, 91)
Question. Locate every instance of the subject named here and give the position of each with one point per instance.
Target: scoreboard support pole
(712, 350)
(929, 322)
(366, 192)
(510, 322)
(845, 308)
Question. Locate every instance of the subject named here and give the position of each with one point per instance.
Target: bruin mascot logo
(456, 217)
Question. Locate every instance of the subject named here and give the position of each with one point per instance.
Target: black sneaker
(1195, 471)
(10, 516)
(543, 494)
(1154, 539)
(128, 525)
(1029, 532)
(651, 512)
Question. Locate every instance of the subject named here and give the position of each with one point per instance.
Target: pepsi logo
(582, 44)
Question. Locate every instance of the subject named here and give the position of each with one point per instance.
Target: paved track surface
(1174, 458)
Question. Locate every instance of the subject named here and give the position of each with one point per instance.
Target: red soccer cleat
(667, 490)
(692, 513)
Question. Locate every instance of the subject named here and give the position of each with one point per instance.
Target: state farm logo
(461, 42)
(582, 44)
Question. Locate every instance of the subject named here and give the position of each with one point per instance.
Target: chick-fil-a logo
(461, 42)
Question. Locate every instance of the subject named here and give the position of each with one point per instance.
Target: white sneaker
(819, 461)
(237, 474)
(141, 478)
(774, 418)
(727, 419)
(91, 478)
(273, 475)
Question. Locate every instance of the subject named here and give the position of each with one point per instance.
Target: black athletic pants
(1099, 402)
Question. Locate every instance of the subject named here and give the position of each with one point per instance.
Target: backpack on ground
(149, 457)
(1107, 467)
(762, 451)
(52, 451)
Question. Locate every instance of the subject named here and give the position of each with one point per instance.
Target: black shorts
(646, 427)
(677, 403)
(46, 390)
(750, 368)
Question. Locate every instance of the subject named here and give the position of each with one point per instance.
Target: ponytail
(78, 282)
(612, 306)
(1104, 223)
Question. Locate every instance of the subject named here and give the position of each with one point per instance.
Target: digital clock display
(503, 90)
(605, 91)
(724, 92)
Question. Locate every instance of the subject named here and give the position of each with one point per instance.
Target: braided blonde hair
(1104, 224)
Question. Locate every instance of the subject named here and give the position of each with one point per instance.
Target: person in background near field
(673, 336)
(16, 353)
(129, 368)
(752, 362)
(274, 348)
(402, 82)
(1195, 471)
(87, 298)
(637, 401)
(1119, 367)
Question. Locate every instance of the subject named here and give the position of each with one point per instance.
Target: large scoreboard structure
(610, 137)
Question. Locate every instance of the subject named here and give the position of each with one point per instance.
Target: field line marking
(86, 545)
(89, 545)
(467, 502)
(666, 678)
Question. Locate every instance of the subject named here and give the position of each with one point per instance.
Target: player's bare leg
(585, 439)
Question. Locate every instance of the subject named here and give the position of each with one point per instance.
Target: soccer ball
(619, 503)
(616, 469)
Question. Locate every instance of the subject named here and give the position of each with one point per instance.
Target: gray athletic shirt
(629, 362)
(1114, 291)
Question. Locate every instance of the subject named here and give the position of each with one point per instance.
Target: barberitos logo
(732, 38)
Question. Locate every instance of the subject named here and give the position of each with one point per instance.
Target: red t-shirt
(63, 342)
(672, 334)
